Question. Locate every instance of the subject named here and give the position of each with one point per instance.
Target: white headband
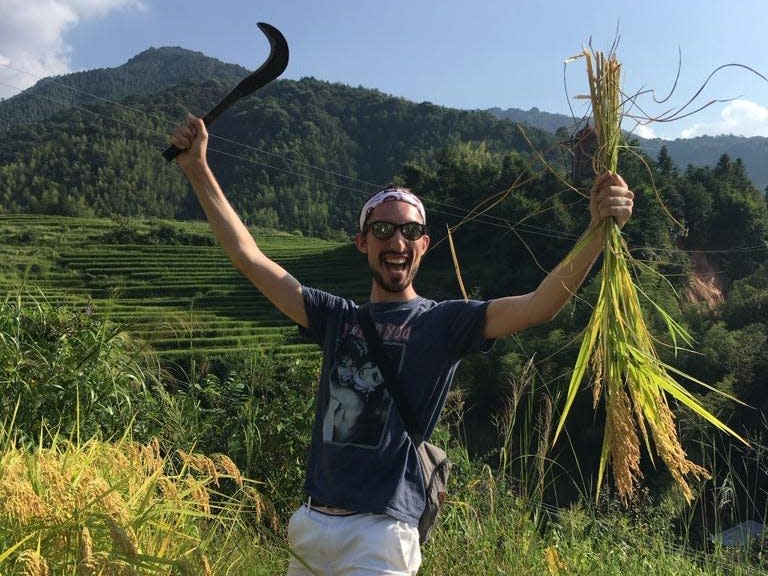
(392, 194)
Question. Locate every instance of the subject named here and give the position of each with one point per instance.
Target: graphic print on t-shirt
(359, 401)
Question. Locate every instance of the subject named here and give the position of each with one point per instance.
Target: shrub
(67, 369)
(256, 408)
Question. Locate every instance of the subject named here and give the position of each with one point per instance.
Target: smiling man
(364, 488)
(396, 243)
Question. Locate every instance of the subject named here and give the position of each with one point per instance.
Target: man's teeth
(396, 261)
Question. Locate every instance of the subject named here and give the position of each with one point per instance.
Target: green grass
(177, 297)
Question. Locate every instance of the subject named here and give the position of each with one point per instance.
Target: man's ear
(427, 240)
(361, 241)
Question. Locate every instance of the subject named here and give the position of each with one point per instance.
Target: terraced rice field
(180, 298)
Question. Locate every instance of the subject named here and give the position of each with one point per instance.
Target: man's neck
(379, 295)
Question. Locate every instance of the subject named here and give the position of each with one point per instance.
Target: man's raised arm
(272, 280)
(610, 197)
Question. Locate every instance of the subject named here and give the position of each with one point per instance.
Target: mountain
(535, 117)
(290, 156)
(707, 150)
(298, 155)
(150, 71)
(157, 69)
(700, 151)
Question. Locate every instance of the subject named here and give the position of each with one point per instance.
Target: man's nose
(398, 239)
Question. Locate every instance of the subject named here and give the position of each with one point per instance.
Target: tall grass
(67, 369)
(489, 528)
(123, 508)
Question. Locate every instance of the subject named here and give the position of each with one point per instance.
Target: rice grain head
(672, 453)
(225, 464)
(198, 493)
(31, 563)
(200, 463)
(123, 538)
(87, 564)
(150, 457)
(19, 502)
(169, 489)
(621, 442)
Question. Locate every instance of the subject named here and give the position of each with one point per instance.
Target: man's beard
(393, 287)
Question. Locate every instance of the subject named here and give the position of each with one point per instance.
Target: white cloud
(740, 117)
(32, 37)
(644, 131)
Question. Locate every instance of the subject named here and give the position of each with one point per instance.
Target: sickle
(271, 69)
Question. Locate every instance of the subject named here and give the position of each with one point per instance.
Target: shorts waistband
(313, 504)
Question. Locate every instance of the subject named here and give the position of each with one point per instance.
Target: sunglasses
(385, 230)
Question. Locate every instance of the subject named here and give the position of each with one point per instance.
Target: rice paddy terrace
(168, 282)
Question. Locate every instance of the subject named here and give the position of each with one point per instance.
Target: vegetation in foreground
(152, 491)
(123, 508)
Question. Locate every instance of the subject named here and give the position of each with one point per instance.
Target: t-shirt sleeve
(466, 322)
(320, 307)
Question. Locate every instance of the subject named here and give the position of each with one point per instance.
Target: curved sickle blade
(271, 69)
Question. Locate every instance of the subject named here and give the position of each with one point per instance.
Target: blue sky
(476, 54)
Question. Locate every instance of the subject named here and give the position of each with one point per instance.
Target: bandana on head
(392, 194)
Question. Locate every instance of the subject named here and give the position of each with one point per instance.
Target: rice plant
(124, 508)
(617, 345)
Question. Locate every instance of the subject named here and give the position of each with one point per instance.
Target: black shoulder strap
(391, 380)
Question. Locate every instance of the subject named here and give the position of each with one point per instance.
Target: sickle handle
(274, 65)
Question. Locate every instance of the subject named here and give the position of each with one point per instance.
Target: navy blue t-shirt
(361, 456)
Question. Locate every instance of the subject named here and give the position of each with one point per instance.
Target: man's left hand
(610, 197)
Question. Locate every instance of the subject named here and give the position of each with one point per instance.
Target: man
(364, 488)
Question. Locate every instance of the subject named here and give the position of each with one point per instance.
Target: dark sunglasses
(385, 230)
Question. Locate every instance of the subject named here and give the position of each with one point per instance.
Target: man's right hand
(191, 136)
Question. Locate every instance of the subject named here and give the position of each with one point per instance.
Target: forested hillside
(706, 150)
(323, 146)
(300, 155)
(303, 155)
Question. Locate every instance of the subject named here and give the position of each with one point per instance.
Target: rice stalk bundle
(617, 345)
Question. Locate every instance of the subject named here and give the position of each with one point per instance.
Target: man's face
(395, 261)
